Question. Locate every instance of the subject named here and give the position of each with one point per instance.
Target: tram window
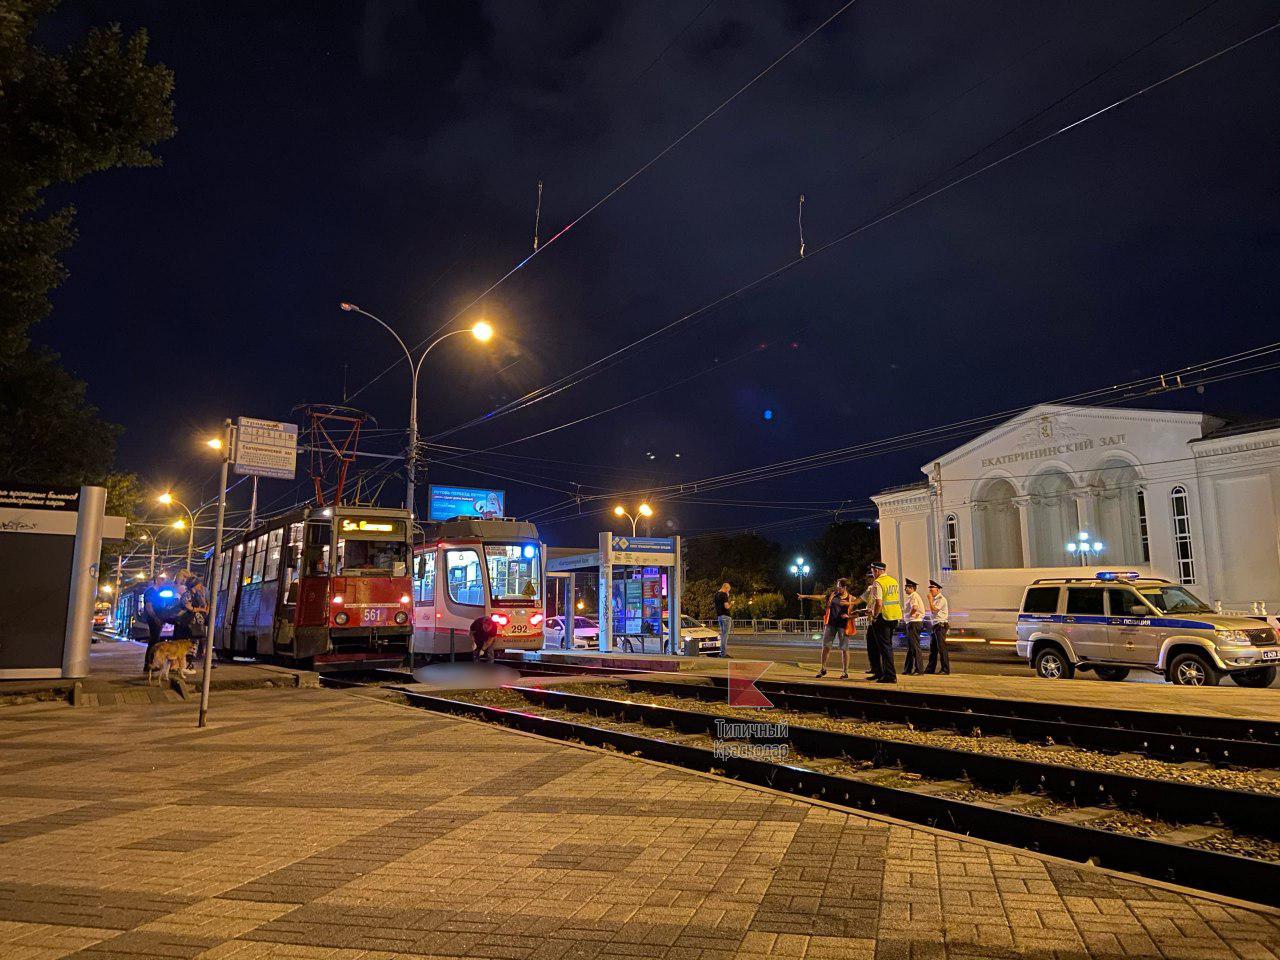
(424, 586)
(274, 540)
(259, 558)
(315, 557)
(462, 568)
(373, 558)
(515, 572)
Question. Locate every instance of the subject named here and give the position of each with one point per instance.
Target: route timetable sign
(265, 448)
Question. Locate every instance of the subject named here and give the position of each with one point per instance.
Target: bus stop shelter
(638, 579)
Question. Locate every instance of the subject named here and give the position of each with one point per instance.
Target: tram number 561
(371, 615)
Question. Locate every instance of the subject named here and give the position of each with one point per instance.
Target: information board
(642, 551)
(266, 448)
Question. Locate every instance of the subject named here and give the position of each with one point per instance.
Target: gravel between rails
(1115, 820)
(1252, 780)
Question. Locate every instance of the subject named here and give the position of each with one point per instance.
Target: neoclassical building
(1189, 495)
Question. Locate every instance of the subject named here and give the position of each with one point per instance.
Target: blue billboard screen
(445, 503)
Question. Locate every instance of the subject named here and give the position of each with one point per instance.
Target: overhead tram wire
(893, 210)
(622, 184)
(1170, 381)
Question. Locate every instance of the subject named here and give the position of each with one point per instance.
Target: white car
(694, 637)
(586, 632)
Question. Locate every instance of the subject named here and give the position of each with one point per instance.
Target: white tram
(468, 568)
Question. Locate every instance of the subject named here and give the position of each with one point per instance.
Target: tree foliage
(93, 107)
(844, 549)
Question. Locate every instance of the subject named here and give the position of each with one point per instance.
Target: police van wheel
(1052, 664)
(1257, 677)
(1193, 670)
(1112, 673)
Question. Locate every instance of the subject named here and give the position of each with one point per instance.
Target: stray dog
(168, 655)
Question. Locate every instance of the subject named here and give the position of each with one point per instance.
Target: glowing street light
(1082, 547)
(800, 570)
(214, 443)
(169, 500)
(644, 510)
(482, 330)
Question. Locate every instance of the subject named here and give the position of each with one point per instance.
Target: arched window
(1182, 534)
(952, 528)
(997, 533)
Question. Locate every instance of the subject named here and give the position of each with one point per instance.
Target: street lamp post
(644, 510)
(223, 445)
(1082, 547)
(481, 330)
(168, 499)
(801, 570)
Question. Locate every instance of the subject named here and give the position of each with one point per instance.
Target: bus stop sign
(265, 448)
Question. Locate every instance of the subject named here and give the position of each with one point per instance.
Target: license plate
(1271, 654)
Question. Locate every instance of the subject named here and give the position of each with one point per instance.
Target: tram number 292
(518, 628)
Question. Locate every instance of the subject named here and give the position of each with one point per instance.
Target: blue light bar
(1118, 575)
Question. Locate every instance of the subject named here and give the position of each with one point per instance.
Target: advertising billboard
(445, 503)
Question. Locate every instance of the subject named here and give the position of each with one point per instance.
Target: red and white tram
(470, 568)
(327, 588)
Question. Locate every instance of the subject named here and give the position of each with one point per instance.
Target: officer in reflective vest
(884, 607)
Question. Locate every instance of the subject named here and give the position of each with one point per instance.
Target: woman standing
(190, 624)
(836, 619)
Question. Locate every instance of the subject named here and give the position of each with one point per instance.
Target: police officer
(884, 608)
(913, 611)
(941, 615)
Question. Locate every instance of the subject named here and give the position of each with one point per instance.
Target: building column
(1086, 512)
(1024, 527)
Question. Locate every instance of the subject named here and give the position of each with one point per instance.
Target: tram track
(1160, 737)
(1186, 833)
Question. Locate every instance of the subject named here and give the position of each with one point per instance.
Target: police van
(1116, 622)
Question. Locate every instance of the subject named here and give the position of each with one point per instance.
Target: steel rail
(1197, 725)
(1241, 877)
(1255, 813)
(975, 719)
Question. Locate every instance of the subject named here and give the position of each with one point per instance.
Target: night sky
(388, 153)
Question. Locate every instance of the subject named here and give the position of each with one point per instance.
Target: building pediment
(1060, 432)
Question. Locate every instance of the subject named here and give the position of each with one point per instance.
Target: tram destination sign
(266, 448)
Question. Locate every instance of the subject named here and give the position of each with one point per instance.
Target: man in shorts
(837, 619)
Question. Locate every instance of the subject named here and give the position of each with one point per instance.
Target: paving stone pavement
(314, 824)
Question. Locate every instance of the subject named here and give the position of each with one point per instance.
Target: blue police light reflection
(166, 593)
(529, 550)
(768, 414)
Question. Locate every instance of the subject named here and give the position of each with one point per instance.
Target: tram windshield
(515, 572)
(372, 558)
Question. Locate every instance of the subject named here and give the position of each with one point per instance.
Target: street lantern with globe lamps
(801, 570)
(1082, 547)
(481, 330)
(644, 510)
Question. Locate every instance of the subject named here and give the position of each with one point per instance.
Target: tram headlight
(500, 619)
(535, 619)
(341, 618)
(337, 600)
(405, 598)
(401, 617)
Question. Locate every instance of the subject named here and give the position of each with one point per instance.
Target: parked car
(1116, 622)
(586, 632)
(703, 639)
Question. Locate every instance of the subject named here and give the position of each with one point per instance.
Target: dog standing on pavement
(166, 656)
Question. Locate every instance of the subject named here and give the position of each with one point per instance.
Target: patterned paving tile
(307, 824)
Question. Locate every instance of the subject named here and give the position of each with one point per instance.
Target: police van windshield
(515, 573)
(1172, 599)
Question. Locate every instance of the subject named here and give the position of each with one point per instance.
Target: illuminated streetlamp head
(214, 443)
(166, 498)
(646, 510)
(794, 568)
(799, 561)
(179, 524)
(105, 588)
(618, 511)
(1097, 547)
(482, 331)
(1071, 547)
(1083, 536)
(347, 307)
